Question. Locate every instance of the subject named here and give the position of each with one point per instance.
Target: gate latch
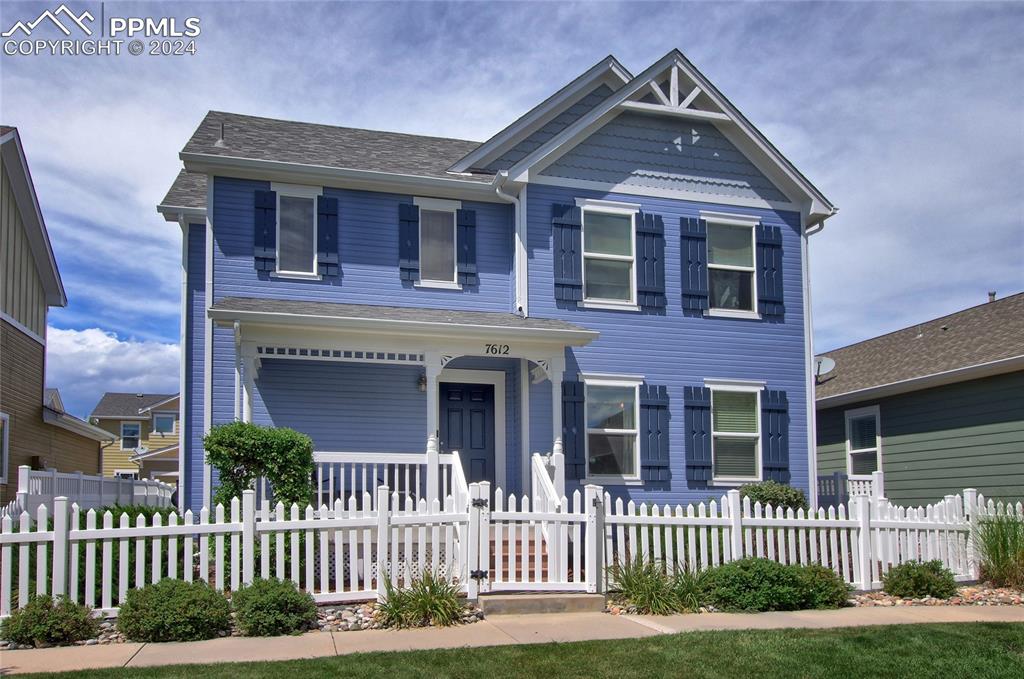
(478, 575)
(479, 502)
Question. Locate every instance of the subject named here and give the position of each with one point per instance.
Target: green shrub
(821, 587)
(241, 452)
(755, 585)
(644, 584)
(776, 494)
(271, 607)
(45, 621)
(1000, 542)
(913, 580)
(430, 600)
(174, 610)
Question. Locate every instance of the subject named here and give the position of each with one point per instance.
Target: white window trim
(857, 413)
(727, 219)
(295, 191)
(743, 386)
(439, 205)
(138, 437)
(600, 380)
(174, 424)
(5, 446)
(608, 207)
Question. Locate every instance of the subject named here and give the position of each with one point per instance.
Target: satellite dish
(823, 365)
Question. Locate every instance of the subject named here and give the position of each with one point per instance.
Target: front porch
(370, 385)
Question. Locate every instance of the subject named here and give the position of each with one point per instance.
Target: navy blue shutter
(697, 423)
(694, 244)
(650, 260)
(769, 271)
(264, 244)
(465, 223)
(327, 235)
(409, 241)
(567, 250)
(574, 430)
(654, 433)
(775, 435)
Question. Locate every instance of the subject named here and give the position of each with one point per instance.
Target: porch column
(248, 385)
(432, 362)
(556, 366)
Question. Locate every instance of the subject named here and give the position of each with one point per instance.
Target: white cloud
(84, 364)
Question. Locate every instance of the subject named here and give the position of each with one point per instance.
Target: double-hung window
(732, 285)
(163, 424)
(130, 433)
(296, 230)
(609, 252)
(612, 416)
(437, 242)
(863, 441)
(736, 433)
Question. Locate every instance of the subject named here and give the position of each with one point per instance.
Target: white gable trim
(737, 129)
(608, 71)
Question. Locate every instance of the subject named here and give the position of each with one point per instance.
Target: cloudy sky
(910, 117)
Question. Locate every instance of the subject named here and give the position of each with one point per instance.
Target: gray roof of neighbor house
(978, 335)
(119, 404)
(387, 313)
(187, 191)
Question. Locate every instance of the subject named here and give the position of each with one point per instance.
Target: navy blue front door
(467, 425)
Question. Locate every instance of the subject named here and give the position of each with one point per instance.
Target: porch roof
(397, 320)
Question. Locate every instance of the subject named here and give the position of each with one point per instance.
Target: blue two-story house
(621, 273)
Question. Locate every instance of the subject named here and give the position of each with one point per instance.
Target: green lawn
(945, 651)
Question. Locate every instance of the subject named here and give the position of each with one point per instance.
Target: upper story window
(163, 424)
(438, 242)
(609, 252)
(863, 441)
(296, 229)
(732, 286)
(735, 433)
(613, 435)
(130, 433)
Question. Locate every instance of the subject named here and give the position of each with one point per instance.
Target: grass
(988, 650)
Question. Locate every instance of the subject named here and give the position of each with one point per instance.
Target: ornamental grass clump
(913, 580)
(644, 585)
(174, 610)
(271, 607)
(1000, 544)
(430, 600)
(46, 621)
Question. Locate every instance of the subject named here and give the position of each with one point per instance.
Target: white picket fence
(41, 487)
(349, 551)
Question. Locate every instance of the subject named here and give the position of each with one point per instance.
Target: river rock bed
(970, 595)
(357, 617)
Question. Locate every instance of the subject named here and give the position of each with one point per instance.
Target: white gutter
(520, 257)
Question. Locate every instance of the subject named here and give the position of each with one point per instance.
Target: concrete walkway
(497, 630)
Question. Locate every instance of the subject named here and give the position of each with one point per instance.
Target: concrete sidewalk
(498, 630)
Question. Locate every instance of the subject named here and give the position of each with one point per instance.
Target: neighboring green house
(937, 407)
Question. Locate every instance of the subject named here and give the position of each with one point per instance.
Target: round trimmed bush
(913, 580)
(821, 587)
(754, 585)
(45, 621)
(174, 610)
(272, 607)
(776, 494)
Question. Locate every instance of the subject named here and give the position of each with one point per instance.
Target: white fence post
(472, 549)
(433, 470)
(248, 535)
(483, 544)
(877, 484)
(60, 546)
(971, 515)
(53, 487)
(383, 534)
(594, 540)
(735, 524)
(23, 475)
(558, 467)
(862, 512)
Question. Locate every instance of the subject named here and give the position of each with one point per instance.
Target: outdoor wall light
(422, 382)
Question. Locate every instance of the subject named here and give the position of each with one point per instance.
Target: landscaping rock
(972, 595)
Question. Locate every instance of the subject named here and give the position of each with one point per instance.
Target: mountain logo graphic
(53, 17)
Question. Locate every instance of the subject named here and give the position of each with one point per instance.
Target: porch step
(519, 604)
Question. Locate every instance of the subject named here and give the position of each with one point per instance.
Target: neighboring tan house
(34, 430)
(937, 407)
(145, 431)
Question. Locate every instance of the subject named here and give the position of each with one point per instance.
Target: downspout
(520, 262)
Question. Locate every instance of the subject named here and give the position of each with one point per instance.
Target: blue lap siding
(674, 350)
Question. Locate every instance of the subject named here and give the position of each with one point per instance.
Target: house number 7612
(496, 349)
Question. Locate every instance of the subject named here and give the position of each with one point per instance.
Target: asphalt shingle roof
(387, 313)
(981, 334)
(188, 190)
(118, 404)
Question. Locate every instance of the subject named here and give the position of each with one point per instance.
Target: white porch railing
(839, 488)
(40, 487)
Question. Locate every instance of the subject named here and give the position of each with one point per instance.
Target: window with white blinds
(736, 435)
